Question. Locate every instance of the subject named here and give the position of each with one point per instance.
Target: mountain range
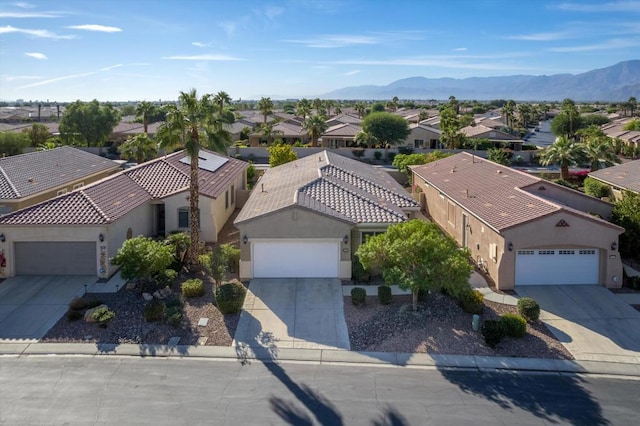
(615, 83)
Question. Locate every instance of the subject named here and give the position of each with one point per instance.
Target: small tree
(281, 154)
(38, 134)
(386, 128)
(595, 188)
(417, 256)
(403, 161)
(626, 213)
(142, 257)
(498, 155)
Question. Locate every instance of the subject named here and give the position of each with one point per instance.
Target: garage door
(294, 259)
(557, 266)
(53, 258)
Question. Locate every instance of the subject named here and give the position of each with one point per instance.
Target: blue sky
(121, 50)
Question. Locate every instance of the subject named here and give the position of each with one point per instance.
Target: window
(565, 252)
(78, 185)
(226, 199)
(364, 236)
(418, 143)
(451, 213)
(183, 217)
(526, 252)
(62, 191)
(546, 252)
(587, 252)
(493, 252)
(233, 194)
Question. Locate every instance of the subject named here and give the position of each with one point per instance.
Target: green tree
(633, 125)
(450, 126)
(89, 123)
(498, 155)
(564, 151)
(13, 143)
(632, 105)
(141, 258)
(139, 147)
(265, 106)
(38, 134)
(595, 188)
(280, 153)
(315, 126)
(568, 121)
(268, 132)
(222, 98)
(378, 107)
(626, 213)
(143, 110)
(598, 147)
(417, 256)
(303, 108)
(359, 109)
(386, 128)
(508, 110)
(403, 161)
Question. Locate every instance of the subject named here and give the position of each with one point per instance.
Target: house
(78, 232)
(521, 229)
(306, 218)
(423, 136)
(340, 136)
(290, 133)
(30, 178)
(623, 177)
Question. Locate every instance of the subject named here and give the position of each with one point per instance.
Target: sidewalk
(326, 356)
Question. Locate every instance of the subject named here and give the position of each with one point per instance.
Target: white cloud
(615, 6)
(36, 55)
(460, 49)
(606, 45)
(206, 57)
(540, 36)
(454, 62)
(200, 44)
(20, 77)
(354, 72)
(95, 27)
(69, 77)
(347, 40)
(272, 11)
(110, 67)
(35, 33)
(19, 15)
(25, 5)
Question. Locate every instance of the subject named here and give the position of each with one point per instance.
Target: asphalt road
(153, 391)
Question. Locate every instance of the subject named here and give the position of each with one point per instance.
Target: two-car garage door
(295, 259)
(55, 258)
(557, 266)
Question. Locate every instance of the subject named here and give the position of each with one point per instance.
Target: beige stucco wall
(423, 134)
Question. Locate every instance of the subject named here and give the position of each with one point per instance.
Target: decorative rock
(88, 316)
(203, 322)
(165, 292)
(202, 341)
(131, 285)
(173, 341)
(157, 295)
(147, 297)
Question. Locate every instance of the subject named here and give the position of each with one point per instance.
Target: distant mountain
(614, 83)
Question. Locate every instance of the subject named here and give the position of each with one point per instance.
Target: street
(156, 391)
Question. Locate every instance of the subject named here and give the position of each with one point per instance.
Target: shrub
(384, 295)
(529, 309)
(174, 315)
(596, 188)
(174, 301)
(230, 297)
(514, 325)
(193, 288)
(358, 152)
(93, 302)
(73, 315)
(471, 301)
(103, 315)
(166, 277)
(78, 304)
(232, 256)
(493, 332)
(155, 311)
(358, 296)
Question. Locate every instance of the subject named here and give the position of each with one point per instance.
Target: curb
(324, 356)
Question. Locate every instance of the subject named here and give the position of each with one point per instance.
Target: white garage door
(53, 258)
(557, 266)
(295, 259)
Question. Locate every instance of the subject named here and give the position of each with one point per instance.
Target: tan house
(78, 232)
(423, 136)
(30, 178)
(521, 229)
(340, 136)
(623, 177)
(306, 218)
(289, 132)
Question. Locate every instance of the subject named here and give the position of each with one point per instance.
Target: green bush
(514, 325)
(384, 295)
(230, 297)
(73, 315)
(174, 315)
(471, 301)
(103, 315)
(595, 188)
(174, 301)
(358, 296)
(493, 332)
(193, 288)
(78, 304)
(529, 309)
(155, 311)
(165, 278)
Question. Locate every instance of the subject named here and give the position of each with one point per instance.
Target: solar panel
(207, 161)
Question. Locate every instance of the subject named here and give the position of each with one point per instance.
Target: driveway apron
(591, 322)
(301, 313)
(31, 305)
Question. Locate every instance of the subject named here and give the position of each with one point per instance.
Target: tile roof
(496, 194)
(345, 129)
(625, 175)
(330, 184)
(111, 198)
(28, 174)
(480, 129)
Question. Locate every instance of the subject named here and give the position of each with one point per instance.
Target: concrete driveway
(591, 322)
(31, 305)
(302, 313)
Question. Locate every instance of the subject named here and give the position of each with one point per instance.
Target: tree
(196, 123)
(268, 132)
(91, 122)
(564, 151)
(450, 125)
(142, 258)
(632, 105)
(403, 161)
(221, 98)
(417, 256)
(315, 125)
(12, 143)
(265, 106)
(508, 110)
(143, 110)
(360, 109)
(498, 155)
(378, 107)
(139, 147)
(386, 128)
(280, 153)
(633, 125)
(565, 124)
(599, 149)
(38, 134)
(626, 213)
(303, 108)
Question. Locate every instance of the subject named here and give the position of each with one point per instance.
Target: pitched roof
(111, 198)
(625, 175)
(480, 129)
(345, 129)
(28, 174)
(330, 184)
(498, 195)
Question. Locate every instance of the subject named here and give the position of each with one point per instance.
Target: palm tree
(632, 104)
(599, 149)
(266, 130)
(303, 108)
(564, 151)
(337, 110)
(194, 124)
(317, 104)
(265, 106)
(143, 110)
(508, 110)
(360, 109)
(329, 104)
(315, 126)
(139, 147)
(221, 98)
(569, 108)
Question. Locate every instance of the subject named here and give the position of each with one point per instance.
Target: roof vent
(499, 172)
(31, 180)
(542, 188)
(453, 169)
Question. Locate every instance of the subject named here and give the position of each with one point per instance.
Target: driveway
(592, 323)
(301, 313)
(31, 305)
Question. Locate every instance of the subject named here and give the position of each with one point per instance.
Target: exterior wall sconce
(2, 238)
(345, 239)
(614, 246)
(101, 237)
(245, 239)
(510, 246)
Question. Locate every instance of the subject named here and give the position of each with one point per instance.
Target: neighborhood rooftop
(331, 184)
(625, 175)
